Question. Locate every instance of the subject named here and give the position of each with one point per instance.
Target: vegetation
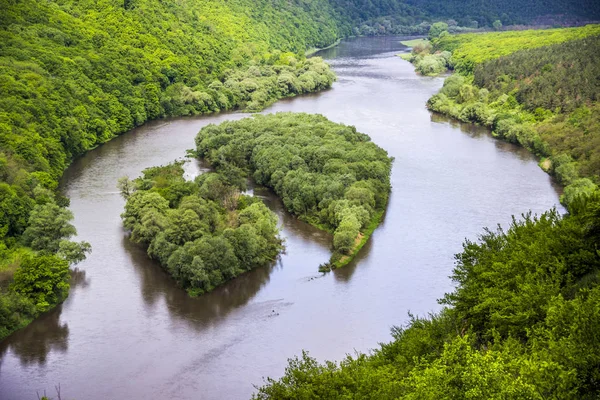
(522, 323)
(415, 17)
(543, 98)
(469, 50)
(327, 174)
(204, 232)
(33, 279)
(463, 52)
(74, 74)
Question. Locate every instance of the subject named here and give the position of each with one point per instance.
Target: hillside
(538, 90)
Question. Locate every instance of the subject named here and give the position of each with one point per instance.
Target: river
(126, 331)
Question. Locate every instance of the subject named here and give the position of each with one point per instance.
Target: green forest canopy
(204, 232)
(327, 174)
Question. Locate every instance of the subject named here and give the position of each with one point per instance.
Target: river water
(126, 331)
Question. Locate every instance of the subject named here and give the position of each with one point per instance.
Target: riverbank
(315, 50)
(531, 90)
(341, 260)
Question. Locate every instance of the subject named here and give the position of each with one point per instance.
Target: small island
(325, 173)
(203, 232)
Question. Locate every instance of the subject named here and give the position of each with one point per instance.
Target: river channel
(128, 332)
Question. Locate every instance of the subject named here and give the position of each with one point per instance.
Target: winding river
(126, 331)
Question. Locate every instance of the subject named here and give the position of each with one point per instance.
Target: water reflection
(201, 312)
(34, 342)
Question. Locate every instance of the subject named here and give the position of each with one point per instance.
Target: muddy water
(126, 331)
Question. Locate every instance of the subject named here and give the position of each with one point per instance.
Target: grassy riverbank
(315, 50)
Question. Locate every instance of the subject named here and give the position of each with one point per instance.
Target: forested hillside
(74, 74)
(325, 173)
(539, 90)
(369, 17)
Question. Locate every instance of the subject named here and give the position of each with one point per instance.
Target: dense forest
(327, 174)
(203, 232)
(414, 17)
(522, 323)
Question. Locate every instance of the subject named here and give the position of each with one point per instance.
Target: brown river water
(127, 331)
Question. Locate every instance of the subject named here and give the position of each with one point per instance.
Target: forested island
(326, 174)
(202, 232)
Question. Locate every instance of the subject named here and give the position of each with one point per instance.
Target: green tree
(436, 30)
(43, 279)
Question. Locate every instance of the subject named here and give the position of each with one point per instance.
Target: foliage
(43, 279)
(325, 173)
(543, 98)
(469, 50)
(522, 323)
(203, 233)
(561, 76)
(415, 17)
(437, 29)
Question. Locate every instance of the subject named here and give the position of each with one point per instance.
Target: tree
(436, 30)
(49, 224)
(43, 279)
(497, 24)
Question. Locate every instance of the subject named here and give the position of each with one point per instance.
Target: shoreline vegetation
(532, 88)
(524, 318)
(327, 174)
(315, 50)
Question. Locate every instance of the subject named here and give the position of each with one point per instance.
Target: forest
(539, 90)
(326, 174)
(202, 232)
(522, 323)
(415, 17)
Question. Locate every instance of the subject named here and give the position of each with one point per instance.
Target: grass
(314, 50)
(414, 42)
